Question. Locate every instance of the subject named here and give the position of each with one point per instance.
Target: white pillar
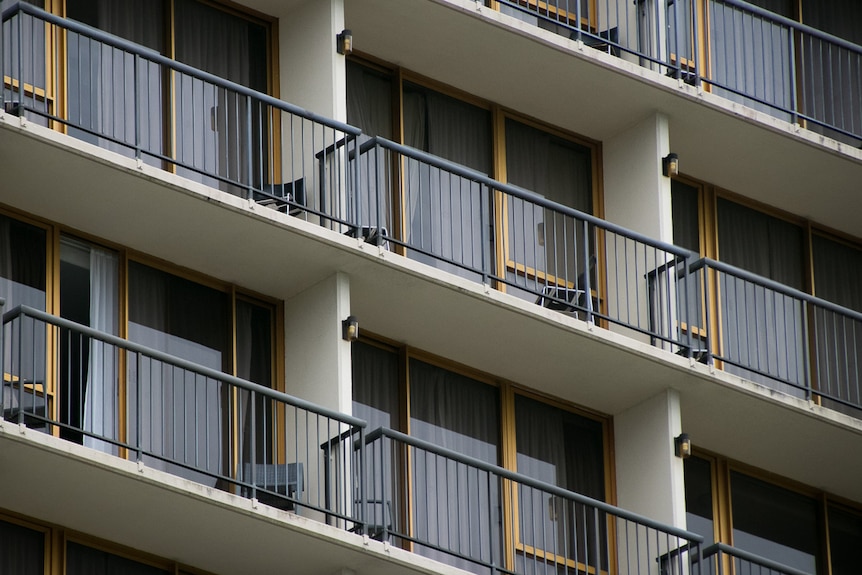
(317, 360)
(649, 476)
(312, 73)
(636, 193)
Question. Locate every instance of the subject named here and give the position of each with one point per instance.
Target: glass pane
(105, 81)
(455, 506)
(89, 368)
(845, 533)
(698, 498)
(83, 560)
(774, 522)
(23, 267)
(444, 211)
(212, 122)
(566, 450)
(22, 550)
(183, 416)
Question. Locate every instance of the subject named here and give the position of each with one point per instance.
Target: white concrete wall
(312, 73)
(637, 196)
(317, 360)
(649, 476)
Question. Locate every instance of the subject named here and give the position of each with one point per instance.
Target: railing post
(695, 46)
(711, 337)
(249, 155)
(485, 229)
(794, 104)
(363, 499)
(139, 410)
(810, 341)
(252, 456)
(137, 107)
(588, 293)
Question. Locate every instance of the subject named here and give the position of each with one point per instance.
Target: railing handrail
(747, 556)
(773, 285)
(778, 18)
(529, 481)
(181, 363)
(518, 192)
(122, 44)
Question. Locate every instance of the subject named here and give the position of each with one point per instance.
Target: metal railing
(131, 100)
(483, 518)
(462, 221)
(743, 53)
(770, 332)
(132, 401)
(721, 558)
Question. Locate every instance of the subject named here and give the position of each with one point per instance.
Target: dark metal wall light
(344, 42)
(350, 329)
(670, 165)
(682, 445)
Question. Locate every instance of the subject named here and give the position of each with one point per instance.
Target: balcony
(232, 436)
(316, 170)
(732, 48)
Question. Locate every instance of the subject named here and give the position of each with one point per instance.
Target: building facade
(431, 286)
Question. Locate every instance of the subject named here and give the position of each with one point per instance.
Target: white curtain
(100, 403)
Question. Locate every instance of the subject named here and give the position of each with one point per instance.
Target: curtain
(376, 399)
(444, 211)
(254, 327)
(212, 123)
(101, 395)
(84, 560)
(832, 76)
(369, 107)
(566, 450)
(761, 329)
(750, 58)
(183, 420)
(23, 268)
(775, 523)
(22, 550)
(838, 339)
(542, 240)
(103, 83)
(454, 507)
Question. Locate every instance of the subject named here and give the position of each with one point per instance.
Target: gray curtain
(444, 211)
(254, 330)
(22, 550)
(550, 244)
(762, 330)
(83, 560)
(750, 56)
(212, 123)
(182, 416)
(455, 507)
(369, 108)
(103, 85)
(838, 339)
(567, 450)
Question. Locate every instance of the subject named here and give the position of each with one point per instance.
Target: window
(454, 223)
(775, 520)
(22, 549)
(454, 507)
(90, 386)
(85, 560)
(758, 332)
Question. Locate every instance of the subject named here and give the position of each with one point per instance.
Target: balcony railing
(132, 401)
(735, 49)
(721, 558)
(126, 98)
(467, 223)
(137, 403)
(773, 333)
(423, 206)
(487, 519)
